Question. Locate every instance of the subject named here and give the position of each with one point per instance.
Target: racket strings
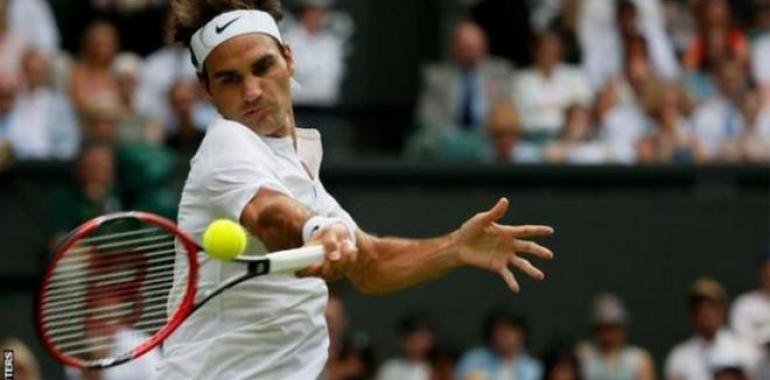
(113, 290)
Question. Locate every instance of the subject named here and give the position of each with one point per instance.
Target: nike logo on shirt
(220, 29)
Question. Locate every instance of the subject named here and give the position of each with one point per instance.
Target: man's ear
(288, 54)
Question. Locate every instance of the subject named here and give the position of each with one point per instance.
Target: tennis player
(256, 167)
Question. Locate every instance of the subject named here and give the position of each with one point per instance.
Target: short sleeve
(674, 366)
(239, 168)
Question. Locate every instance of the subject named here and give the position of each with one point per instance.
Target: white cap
(229, 25)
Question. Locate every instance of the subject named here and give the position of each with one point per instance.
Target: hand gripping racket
(120, 284)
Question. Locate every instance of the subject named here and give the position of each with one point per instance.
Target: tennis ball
(224, 239)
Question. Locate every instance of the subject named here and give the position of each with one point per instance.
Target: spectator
(344, 362)
(753, 143)
(42, 124)
(543, 92)
(578, 142)
(444, 361)
(750, 316)
(93, 85)
(319, 54)
(42, 33)
(561, 363)
(94, 191)
(671, 140)
(186, 135)
(760, 48)
(609, 356)
(717, 37)
(12, 45)
(417, 341)
(620, 115)
(25, 366)
(504, 355)
(8, 90)
(604, 29)
(694, 359)
(456, 96)
(504, 130)
(158, 73)
(718, 120)
(133, 125)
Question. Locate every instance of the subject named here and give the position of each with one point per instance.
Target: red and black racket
(109, 296)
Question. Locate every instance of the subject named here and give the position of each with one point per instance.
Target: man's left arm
(389, 264)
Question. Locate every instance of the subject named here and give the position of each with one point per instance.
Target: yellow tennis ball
(224, 239)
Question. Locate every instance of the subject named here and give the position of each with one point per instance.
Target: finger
(497, 212)
(509, 279)
(527, 231)
(332, 248)
(527, 267)
(532, 248)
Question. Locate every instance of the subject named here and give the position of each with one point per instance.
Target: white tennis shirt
(271, 327)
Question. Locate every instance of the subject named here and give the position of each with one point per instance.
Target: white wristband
(318, 222)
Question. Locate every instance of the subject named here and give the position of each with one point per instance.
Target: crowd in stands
(728, 341)
(643, 81)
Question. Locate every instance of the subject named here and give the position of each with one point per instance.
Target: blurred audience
(443, 361)
(609, 356)
(346, 361)
(416, 338)
(713, 346)
(671, 139)
(42, 123)
(133, 125)
(25, 365)
(319, 54)
(504, 133)
(561, 363)
(752, 144)
(718, 120)
(503, 355)
(42, 33)
(544, 92)
(750, 315)
(161, 70)
(12, 44)
(94, 191)
(456, 95)
(578, 142)
(8, 88)
(718, 37)
(186, 134)
(605, 28)
(93, 85)
(620, 114)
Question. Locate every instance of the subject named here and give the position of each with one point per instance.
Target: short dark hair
(187, 16)
(503, 316)
(412, 323)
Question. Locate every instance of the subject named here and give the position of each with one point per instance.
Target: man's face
(708, 316)
(417, 344)
(35, 67)
(764, 275)
(507, 339)
(469, 45)
(249, 81)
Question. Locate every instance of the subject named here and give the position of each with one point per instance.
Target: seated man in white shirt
(42, 124)
(255, 167)
(695, 358)
(543, 93)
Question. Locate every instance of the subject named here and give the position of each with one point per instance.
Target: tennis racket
(120, 284)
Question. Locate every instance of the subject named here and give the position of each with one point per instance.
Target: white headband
(228, 25)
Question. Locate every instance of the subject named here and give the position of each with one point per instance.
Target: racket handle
(295, 259)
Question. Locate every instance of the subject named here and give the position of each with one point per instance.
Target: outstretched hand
(485, 244)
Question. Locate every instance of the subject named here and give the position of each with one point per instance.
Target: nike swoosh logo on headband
(220, 29)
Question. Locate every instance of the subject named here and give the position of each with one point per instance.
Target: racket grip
(295, 259)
